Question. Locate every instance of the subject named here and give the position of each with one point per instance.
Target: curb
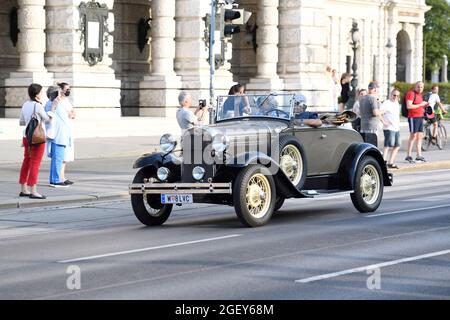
(62, 200)
(428, 166)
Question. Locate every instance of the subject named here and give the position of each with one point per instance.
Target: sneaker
(409, 159)
(68, 182)
(59, 185)
(420, 159)
(392, 166)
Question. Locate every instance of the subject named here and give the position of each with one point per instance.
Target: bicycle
(441, 137)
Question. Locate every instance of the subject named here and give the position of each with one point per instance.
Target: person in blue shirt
(303, 117)
(61, 138)
(237, 102)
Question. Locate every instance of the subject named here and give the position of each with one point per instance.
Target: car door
(312, 142)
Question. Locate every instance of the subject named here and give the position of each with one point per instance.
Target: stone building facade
(285, 46)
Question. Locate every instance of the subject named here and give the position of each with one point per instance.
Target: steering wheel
(278, 111)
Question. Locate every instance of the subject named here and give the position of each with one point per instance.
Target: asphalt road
(312, 249)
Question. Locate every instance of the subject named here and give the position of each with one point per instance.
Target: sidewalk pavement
(103, 167)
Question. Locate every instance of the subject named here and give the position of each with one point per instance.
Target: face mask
(67, 93)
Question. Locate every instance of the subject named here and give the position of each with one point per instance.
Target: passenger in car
(237, 104)
(303, 117)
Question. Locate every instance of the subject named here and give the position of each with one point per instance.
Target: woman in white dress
(69, 155)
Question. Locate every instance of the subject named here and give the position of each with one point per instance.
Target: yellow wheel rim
(258, 195)
(370, 184)
(291, 163)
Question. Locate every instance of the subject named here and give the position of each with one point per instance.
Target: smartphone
(202, 103)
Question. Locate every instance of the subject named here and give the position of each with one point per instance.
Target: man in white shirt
(391, 128)
(186, 118)
(438, 108)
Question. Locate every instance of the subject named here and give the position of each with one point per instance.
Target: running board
(323, 193)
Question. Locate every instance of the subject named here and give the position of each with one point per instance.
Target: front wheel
(148, 208)
(254, 195)
(368, 190)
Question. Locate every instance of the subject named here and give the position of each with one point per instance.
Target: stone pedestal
(31, 47)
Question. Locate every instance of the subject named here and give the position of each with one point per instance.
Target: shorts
(415, 125)
(391, 138)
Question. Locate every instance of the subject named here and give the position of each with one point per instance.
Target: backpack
(404, 107)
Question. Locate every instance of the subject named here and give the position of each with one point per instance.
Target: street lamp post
(389, 47)
(354, 83)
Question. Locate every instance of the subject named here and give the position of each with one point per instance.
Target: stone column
(159, 90)
(418, 52)
(267, 51)
(191, 52)
(303, 50)
(95, 89)
(31, 47)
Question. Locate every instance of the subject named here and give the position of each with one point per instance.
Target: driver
(267, 106)
(303, 117)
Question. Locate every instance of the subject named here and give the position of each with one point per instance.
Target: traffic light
(229, 15)
(230, 21)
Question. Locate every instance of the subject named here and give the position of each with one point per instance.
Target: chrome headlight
(163, 173)
(198, 173)
(219, 143)
(167, 143)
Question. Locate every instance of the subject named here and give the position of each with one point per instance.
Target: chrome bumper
(180, 188)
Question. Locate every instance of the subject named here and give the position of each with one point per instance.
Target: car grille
(197, 152)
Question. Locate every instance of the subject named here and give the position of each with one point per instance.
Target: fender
(349, 163)
(157, 160)
(284, 186)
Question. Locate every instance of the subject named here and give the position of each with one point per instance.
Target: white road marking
(148, 249)
(409, 210)
(372, 267)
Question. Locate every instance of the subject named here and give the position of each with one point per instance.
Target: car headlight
(198, 173)
(167, 143)
(163, 173)
(219, 143)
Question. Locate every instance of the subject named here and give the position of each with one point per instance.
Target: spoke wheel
(293, 160)
(148, 208)
(254, 195)
(368, 186)
(291, 163)
(442, 137)
(258, 195)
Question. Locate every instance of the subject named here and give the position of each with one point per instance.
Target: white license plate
(176, 198)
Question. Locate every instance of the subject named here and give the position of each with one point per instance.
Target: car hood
(245, 127)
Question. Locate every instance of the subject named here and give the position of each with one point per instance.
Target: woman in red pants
(32, 156)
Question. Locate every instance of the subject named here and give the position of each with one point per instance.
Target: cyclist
(438, 107)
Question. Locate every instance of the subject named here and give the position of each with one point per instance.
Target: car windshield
(254, 105)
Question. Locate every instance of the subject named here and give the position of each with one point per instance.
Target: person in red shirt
(415, 106)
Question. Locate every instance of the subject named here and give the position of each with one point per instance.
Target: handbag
(34, 131)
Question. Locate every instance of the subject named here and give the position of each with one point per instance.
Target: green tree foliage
(437, 33)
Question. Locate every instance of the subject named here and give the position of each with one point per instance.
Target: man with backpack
(414, 103)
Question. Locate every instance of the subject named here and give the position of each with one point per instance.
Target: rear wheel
(368, 190)
(148, 208)
(254, 195)
(441, 137)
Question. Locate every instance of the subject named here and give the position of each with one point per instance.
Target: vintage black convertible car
(253, 157)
